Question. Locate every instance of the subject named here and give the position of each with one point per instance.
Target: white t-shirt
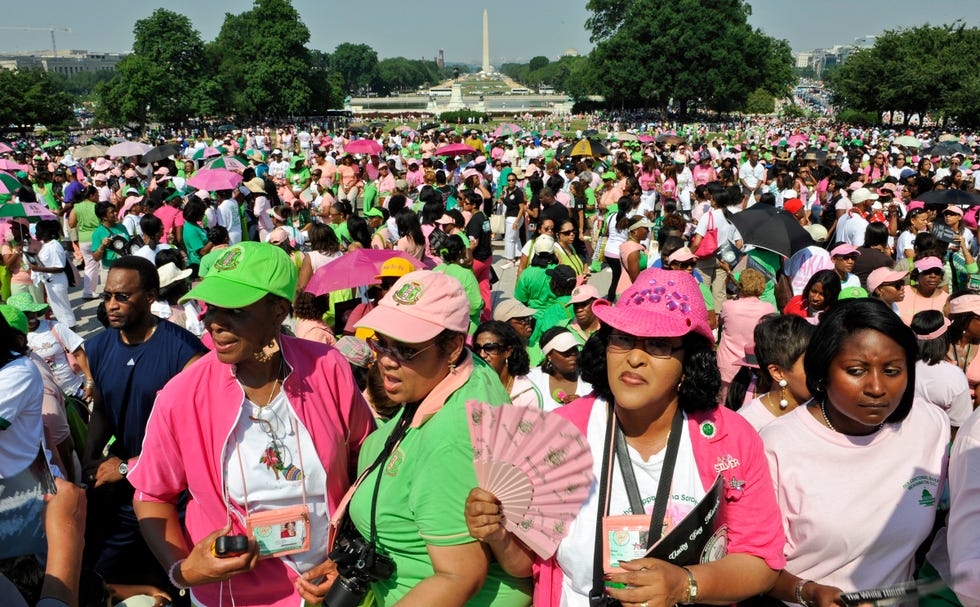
(42, 342)
(945, 386)
(727, 232)
(51, 255)
(575, 553)
(540, 379)
(905, 240)
(151, 254)
(853, 230)
(21, 431)
(266, 491)
(856, 508)
(963, 536)
(228, 218)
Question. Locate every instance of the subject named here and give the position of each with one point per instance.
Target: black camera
(358, 564)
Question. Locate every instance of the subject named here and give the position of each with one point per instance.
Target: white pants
(512, 238)
(90, 276)
(57, 290)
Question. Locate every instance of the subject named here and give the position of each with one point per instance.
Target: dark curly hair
(843, 321)
(700, 382)
(518, 363)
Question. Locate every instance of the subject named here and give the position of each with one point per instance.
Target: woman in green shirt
(102, 250)
(453, 253)
(82, 218)
(196, 241)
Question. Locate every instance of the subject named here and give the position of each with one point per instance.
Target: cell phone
(226, 546)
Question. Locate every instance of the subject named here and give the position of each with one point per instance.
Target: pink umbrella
(795, 140)
(355, 269)
(214, 180)
(646, 138)
(128, 148)
(507, 129)
(363, 146)
(10, 165)
(31, 211)
(4, 148)
(455, 149)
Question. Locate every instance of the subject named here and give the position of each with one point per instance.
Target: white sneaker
(507, 265)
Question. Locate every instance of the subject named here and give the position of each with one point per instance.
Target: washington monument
(487, 68)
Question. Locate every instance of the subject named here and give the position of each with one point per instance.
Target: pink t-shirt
(913, 303)
(944, 385)
(739, 318)
(757, 414)
(856, 508)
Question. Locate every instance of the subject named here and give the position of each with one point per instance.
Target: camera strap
(408, 414)
(615, 440)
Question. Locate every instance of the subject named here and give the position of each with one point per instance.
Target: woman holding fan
(655, 409)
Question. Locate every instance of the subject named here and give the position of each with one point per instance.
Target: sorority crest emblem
(707, 429)
(230, 260)
(408, 294)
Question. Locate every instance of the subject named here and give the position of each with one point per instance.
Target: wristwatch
(692, 588)
(123, 468)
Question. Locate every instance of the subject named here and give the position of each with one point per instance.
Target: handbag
(709, 243)
(498, 221)
(72, 361)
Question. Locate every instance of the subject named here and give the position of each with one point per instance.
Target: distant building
(441, 59)
(822, 58)
(570, 52)
(67, 62)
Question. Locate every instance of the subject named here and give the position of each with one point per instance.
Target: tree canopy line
(926, 70)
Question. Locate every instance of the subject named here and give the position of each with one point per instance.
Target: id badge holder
(280, 532)
(624, 538)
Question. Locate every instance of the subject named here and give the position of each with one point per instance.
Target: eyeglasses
(524, 320)
(548, 229)
(509, 180)
(397, 352)
(656, 347)
(491, 348)
(567, 232)
(120, 297)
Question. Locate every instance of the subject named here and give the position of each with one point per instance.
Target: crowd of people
(272, 407)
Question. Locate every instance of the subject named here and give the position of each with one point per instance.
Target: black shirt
(555, 212)
(513, 199)
(479, 230)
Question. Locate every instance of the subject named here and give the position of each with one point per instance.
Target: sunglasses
(567, 232)
(491, 348)
(687, 265)
(106, 296)
(525, 320)
(656, 347)
(397, 352)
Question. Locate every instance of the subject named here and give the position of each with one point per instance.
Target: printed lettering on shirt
(926, 497)
(726, 463)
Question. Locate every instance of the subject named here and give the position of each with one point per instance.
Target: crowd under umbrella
(215, 180)
(9, 165)
(506, 129)
(584, 147)
(772, 229)
(949, 148)
(161, 152)
(943, 198)
(92, 150)
(32, 211)
(357, 268)
(455, 149)
(126, 149)
(226, 162)
(363, 146)
(208, 152)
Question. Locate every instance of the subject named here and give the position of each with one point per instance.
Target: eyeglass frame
(395, 353)
(107, 296)
(498, 347)
(633, 345)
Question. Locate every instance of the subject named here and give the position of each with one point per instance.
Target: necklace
(826, 420)
(274, 455)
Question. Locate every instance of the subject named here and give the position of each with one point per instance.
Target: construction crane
(54, 46)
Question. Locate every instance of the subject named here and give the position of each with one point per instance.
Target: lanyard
(614, 431)
(299, 451)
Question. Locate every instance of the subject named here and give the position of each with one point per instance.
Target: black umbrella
(377, 125)
(960, 198)
(161, 152)
(772, 229)
(428, 125)
(227, 128)
(948, 148)
(589, 132)
(357, 129)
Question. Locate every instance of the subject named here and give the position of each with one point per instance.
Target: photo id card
(624, 538)
(280, 532)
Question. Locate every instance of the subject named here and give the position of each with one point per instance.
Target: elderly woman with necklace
(262, 432)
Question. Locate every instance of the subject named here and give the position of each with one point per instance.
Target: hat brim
(223, 293)
(647, 323)
(183, 274)
(392, 322)
(33, 308)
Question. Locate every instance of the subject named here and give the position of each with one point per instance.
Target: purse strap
(616, 440)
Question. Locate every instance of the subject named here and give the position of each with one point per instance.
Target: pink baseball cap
(583, 293)
(445, 219)
(855, 185)
(420, 306)
(844, 249)
(952, 208)
(479, 159)
(928, 263)
(680, 255)
(916, 204)
(660, 303)
(129, 174)
(883, 276)
(965, 303)
(471, 172)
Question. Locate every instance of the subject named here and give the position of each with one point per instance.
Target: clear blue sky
(519, 29)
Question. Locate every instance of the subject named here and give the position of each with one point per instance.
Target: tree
(649, 52)
(537, 63)
(167, 65)
(262, 61)
(760, 101)
(32, 97)
(357, 64)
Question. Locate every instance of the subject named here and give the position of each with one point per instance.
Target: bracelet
(170, 574)
(798, 591)
(692, 588)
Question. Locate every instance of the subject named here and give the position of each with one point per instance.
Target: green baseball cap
(25, 303)
(244, 274)
(15, 318)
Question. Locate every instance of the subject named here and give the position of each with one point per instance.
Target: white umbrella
(129, 148)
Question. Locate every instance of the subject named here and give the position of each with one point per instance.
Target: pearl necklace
(823, 411)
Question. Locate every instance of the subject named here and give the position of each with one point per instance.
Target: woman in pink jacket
(263, 433)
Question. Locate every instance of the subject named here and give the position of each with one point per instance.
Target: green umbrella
(231, 163)
(9, 184)
(51, 144)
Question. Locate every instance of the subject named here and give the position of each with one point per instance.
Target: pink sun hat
(660, 303)
(420, 306)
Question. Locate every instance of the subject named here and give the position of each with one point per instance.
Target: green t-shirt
(558, 314)
(46, 195)
(195, 239)
(101, 232)
(208, 260)
(471, 287)
(343, 234)
(370, 194)
(87, 221)
(423, 493)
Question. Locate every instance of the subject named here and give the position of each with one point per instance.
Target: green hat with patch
(14, 317)
(244, 274)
